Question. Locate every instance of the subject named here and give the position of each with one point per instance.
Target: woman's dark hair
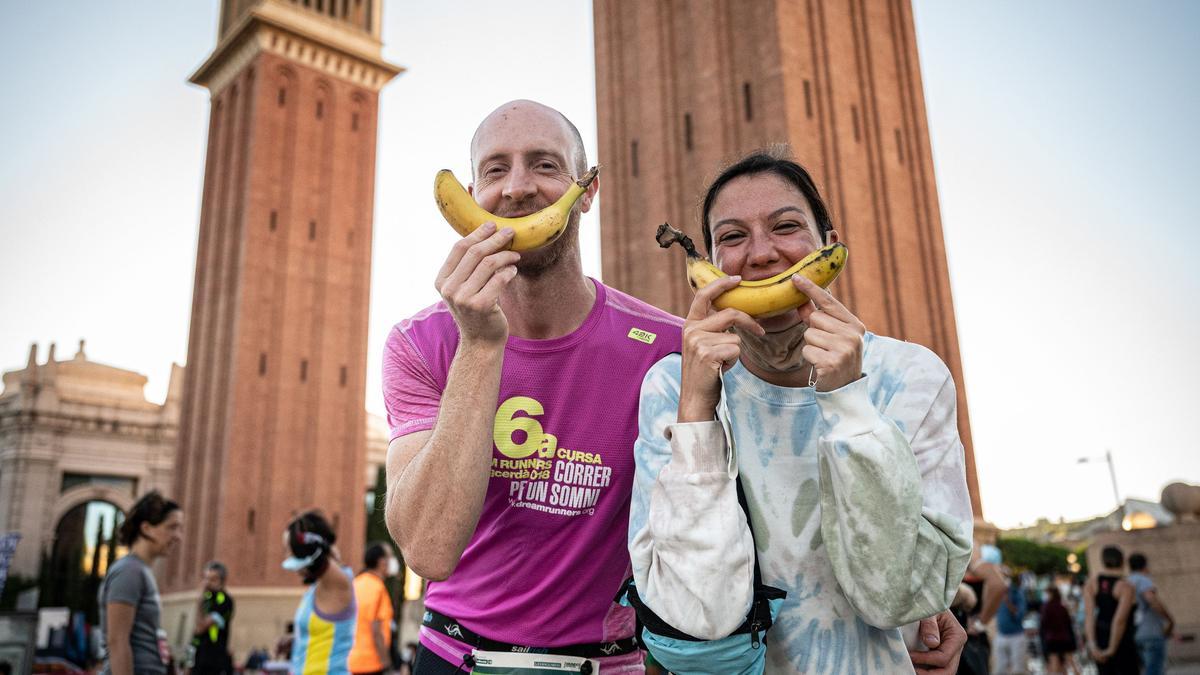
(152, 508)
(310, 533)
(775, 160)
(1112, 557)
(375, 551)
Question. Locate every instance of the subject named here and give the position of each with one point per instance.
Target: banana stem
(586, 179)
(668, 235)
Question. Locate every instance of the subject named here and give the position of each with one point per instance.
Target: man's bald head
(514, 114)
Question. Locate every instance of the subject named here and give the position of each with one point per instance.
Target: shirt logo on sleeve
(641, 335)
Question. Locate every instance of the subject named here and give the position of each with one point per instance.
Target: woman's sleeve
(691, 549)
(895, 513)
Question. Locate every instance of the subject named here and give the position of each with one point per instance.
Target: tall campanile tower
(685, 85)
(272, 418)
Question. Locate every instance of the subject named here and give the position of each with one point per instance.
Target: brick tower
(272, 419)
(683, 86)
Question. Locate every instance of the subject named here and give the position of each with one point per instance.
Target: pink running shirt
(549, 552)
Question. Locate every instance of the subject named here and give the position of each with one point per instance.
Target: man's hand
(477, 270)
(833, 343)
(709, 348)
(945, 639)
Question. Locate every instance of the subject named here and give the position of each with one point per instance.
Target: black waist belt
(450, 627)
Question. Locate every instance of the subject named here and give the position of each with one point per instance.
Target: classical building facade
(79, 442)
(73, 433)
(682, 87)
(272, 417)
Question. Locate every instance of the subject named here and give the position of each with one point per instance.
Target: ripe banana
(760, 298)
(529, 232)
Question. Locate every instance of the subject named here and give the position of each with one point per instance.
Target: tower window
(312, 230)
(342, 376)
(633, 157)
(350, 239)
(320, 109)
(274, 219)
(262, 363)
(303, 370)
(281, 97)
(899, 146)
(250, 521)
(808, 99)
(687, 131)
(854, 119)
(354, 122)
(747, 103)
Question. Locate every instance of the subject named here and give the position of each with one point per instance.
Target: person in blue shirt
(1154, 623)
(1010, 643)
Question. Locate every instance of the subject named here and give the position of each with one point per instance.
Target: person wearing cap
(325, 619)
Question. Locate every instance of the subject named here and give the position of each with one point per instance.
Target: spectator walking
(1057, 634)
(325, 619)
(210, 641)
(1154, 623)
(371, 654)
(130, 607)
(1009, 650)
(1109, 601)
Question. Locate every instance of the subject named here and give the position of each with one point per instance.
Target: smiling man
(513, 409)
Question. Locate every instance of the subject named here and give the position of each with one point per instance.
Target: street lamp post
(1112, 474)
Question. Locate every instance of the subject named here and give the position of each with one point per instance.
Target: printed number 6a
(507, 423)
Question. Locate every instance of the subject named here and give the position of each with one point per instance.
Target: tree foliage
(1024, 555)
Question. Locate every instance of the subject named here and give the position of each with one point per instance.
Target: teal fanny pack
(742, 652)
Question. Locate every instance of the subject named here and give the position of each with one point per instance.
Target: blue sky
(1065, 147)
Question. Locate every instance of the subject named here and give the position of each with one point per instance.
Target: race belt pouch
(742, 651)
(524, 663)
(492, 657)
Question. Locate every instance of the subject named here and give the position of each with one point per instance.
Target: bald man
(513, 413)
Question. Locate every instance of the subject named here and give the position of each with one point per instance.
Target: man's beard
(534, 264)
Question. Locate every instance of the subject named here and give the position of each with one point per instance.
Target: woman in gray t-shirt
(134, 642)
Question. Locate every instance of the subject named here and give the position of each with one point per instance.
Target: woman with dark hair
(325, 619)
(1108, 610)
(133, 641)
(1057, 634)
(844, 444)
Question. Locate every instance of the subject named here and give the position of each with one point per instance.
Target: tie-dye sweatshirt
(857, 497)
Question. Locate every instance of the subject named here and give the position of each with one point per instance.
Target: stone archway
(83, 543)
(83, 494)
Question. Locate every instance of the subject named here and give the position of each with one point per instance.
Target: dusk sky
(1065, 146)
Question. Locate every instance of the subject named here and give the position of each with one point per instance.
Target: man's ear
(585, 201)
(831, 237)
(471, 188)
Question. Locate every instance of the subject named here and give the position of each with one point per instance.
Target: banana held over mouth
(529, 232)
(760, 298)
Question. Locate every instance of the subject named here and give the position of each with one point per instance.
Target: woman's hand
(833, 343)
(708, 349)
